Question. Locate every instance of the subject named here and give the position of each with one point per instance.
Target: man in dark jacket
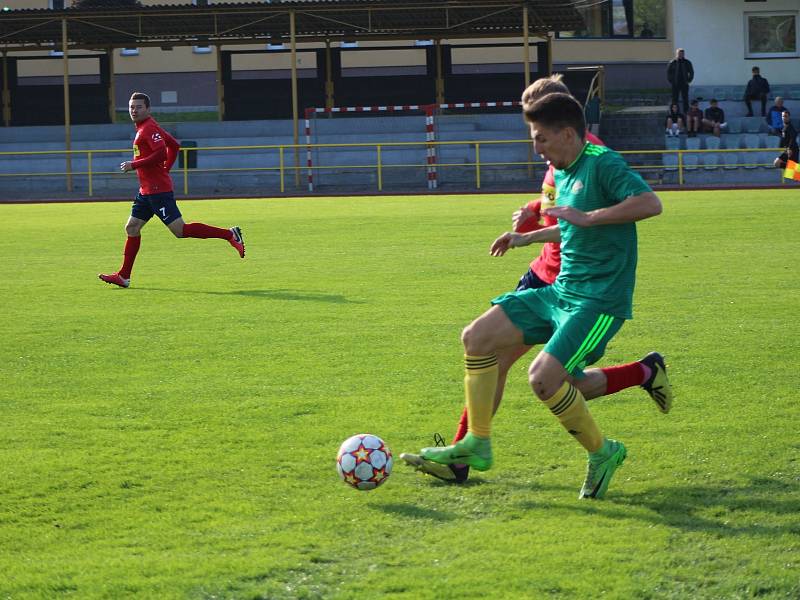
(680, 74)
(788, 141)
(757, 89)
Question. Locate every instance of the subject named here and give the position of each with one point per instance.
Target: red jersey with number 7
(154, 153)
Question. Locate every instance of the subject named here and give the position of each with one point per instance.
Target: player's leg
(506, 357)
(649, 373)
(459, 472)
(140, 214)
(171, 216)
(580, 339)
(482, 338)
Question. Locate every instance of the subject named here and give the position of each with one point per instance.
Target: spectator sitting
(694, 119)
(757, 89)
(788, 141)
(774, 119)
(715, 118)
(674, 120)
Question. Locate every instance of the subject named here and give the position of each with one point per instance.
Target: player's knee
(132, 230)
(542, 384)
(475, 340)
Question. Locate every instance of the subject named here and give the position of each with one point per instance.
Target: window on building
(621, 19)
(771, 35)
(201, 49)
(129, 52)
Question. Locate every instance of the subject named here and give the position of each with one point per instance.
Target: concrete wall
(713, 34)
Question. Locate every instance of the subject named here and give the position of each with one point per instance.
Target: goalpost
(433, 116)
(312, 134)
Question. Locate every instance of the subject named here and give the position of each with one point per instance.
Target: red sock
(129, 255)
(624, 376)
(203, 231)
(463, 426)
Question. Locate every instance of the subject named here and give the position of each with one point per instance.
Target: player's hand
(503, 244)
(126, 166)
(570, 215)
(521, 215)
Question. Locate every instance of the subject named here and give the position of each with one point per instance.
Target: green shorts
(575, 335)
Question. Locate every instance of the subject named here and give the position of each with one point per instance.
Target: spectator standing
(680, 74)
(757, 89)
(675, 120)
(774, 116)
(714, 120)
(788, 141)
(694, 119)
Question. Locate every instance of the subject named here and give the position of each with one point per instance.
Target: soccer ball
(364, 461)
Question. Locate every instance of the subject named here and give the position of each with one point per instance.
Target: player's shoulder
(147, 124)
(604, 156)
(596, 150)
(593, 139)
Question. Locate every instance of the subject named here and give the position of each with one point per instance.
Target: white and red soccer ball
(364, 461)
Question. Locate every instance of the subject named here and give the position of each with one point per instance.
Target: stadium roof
(120, 23)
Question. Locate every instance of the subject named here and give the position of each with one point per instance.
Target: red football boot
(115, 279)
(237, 241)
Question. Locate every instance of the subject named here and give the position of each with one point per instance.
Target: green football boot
(602, 465)
(472, 450)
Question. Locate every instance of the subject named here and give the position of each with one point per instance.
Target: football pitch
(178, 439)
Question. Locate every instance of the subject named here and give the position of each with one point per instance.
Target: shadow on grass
(702, 508)
(297, 295)
(411, 511)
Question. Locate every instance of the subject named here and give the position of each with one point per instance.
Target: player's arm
(630, 198)
(157, 155)
(633, 208)
(512, 239)
(526, 218)
(173, 147)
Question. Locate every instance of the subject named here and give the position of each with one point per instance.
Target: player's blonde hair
(543, 86)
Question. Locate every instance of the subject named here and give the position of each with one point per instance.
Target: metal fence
(283, 163)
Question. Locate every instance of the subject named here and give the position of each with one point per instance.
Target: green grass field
(178, 439)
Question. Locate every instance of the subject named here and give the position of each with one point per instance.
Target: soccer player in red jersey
(154, 153)
(649, 372)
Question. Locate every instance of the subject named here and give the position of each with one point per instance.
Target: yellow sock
(480, 383)
(570, 407)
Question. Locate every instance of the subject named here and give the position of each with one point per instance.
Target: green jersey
(598, 264)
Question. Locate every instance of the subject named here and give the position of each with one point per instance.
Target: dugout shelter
(95, 28)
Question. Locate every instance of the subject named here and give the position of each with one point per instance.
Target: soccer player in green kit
(599, 200)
